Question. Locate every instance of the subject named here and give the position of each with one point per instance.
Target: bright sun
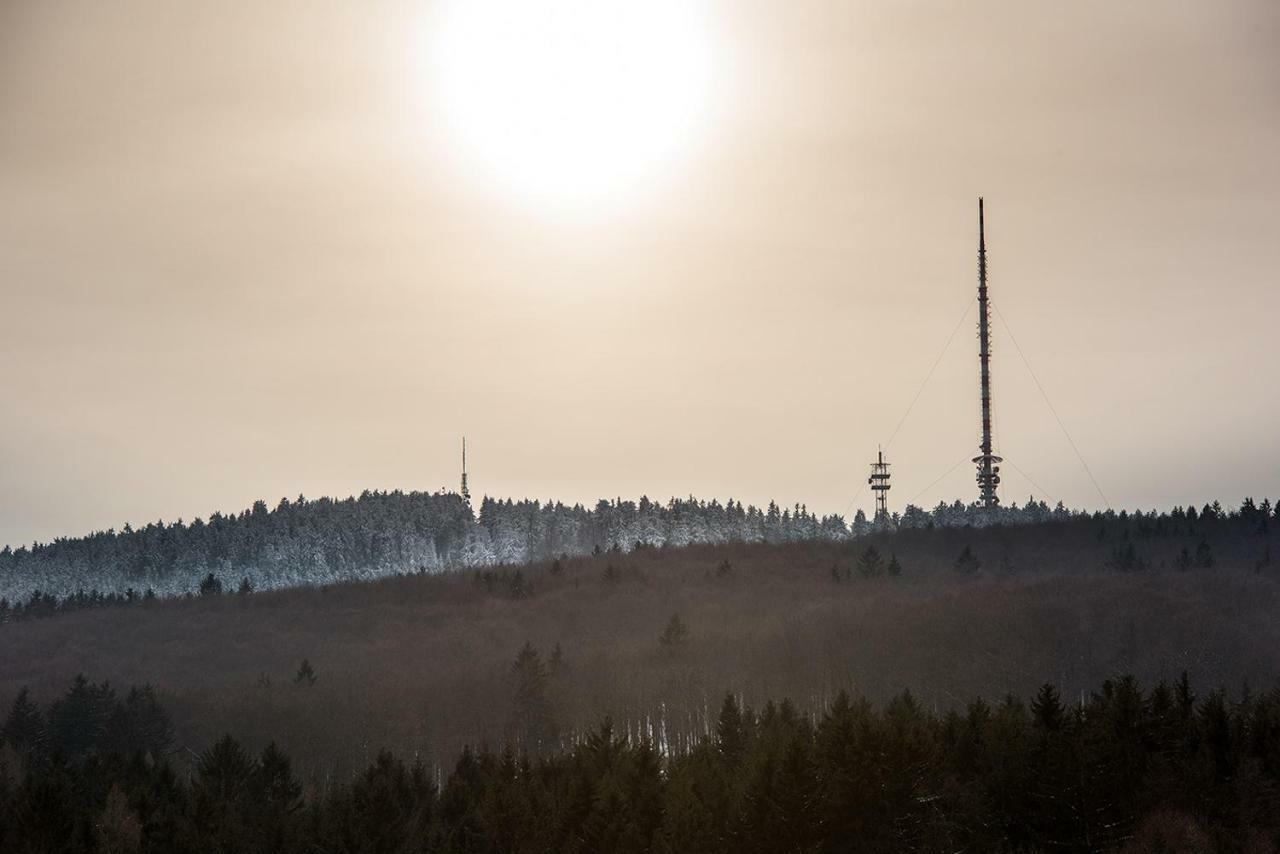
(571, 101)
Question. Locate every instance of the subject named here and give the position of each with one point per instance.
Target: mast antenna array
(879, 482)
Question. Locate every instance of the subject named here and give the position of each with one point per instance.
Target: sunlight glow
(571, 101)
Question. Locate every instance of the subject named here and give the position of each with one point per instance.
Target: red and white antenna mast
(988, 471)
(879, 482)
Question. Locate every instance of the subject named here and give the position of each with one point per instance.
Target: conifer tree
(24, 728)
(210, 585)
(306, 674)
(870, 565)
(731, 732)
(78, 720)
(675, 634)
(532, 728)
(968, 563)
(1047, 709)
(1204, 555)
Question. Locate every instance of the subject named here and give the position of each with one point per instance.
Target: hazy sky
(243, 255)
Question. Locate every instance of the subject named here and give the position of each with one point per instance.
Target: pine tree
(871, 565)
(895, 568)
(306, 674)
(140, 725)
(78, 720)
(532, 729)
(675, 634)
(731, 732)
(221, 792)
(210, 586)
(24, 729)
(275, 791)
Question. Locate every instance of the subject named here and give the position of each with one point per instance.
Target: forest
(1125, 770)
(381, 534)
(768, 692)
(422, 664)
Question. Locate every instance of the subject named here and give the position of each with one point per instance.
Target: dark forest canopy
(1123, 770)
(380, 534)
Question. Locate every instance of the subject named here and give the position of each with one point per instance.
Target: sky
(248, 251)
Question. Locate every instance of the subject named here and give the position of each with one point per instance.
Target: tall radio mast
(988, 471)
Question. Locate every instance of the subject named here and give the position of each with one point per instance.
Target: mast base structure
(988, 479)
(879, 482)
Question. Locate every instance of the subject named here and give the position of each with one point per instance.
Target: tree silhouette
(871, 565)
(24, 729)
(1047, 709)
(968, 563)
(675, 634)
(306, 674)
(532, 729)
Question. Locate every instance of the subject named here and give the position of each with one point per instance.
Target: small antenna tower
(988, 471)
(466, 493)
(879, 482)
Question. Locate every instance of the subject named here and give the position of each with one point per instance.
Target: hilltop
(655, 636)
(381, 534)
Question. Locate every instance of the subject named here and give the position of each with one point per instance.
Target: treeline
(380, 534)
(1119, 770)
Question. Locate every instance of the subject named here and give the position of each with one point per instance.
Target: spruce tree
(967, 563)
(675, 634)
(532, 728)
(306, 674)
(871, 565)
(1047, 708)
(210, 585)
(24, 729)
(731, 732)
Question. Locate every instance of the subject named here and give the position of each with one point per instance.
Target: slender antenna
(466, 493)
(988, 471)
